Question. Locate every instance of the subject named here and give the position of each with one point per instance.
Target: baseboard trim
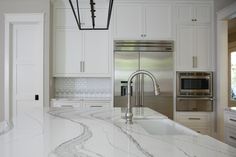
(5, 127)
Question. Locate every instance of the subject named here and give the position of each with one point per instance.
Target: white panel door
(185, 46)
(128, 22)
(27, 48)
(96, 52)
(203, 45)
(158, 21)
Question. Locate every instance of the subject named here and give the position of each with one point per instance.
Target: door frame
(10, 20)
(222, 65)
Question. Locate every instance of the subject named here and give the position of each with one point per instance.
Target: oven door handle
(207, 99)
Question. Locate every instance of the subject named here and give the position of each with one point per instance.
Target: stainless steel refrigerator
(153, 56)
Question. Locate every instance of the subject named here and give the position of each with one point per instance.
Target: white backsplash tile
(83, 87)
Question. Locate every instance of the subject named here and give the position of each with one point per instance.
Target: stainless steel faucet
(129, 114)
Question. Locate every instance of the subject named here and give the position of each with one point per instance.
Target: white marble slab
(96, 132)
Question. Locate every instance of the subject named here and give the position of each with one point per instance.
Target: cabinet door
(185, 47)
(184, 13)
(67, 52)
(158, 21)
(128, 22)
(64, 18)
(96, 56)
(100, 19)
(203, 47)
(202, 13)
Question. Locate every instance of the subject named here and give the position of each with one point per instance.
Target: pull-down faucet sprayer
(129, 114)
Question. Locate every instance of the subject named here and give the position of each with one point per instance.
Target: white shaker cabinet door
(67, 52)
(158, 21)
(96, 52)
(185, 47)
(203, 47)
(128, 22)
(202, 14)
(184, 14)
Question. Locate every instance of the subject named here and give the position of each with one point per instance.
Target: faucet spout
(129, 113)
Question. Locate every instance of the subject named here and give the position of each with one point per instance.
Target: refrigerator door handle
(136, 91)
(142, 90)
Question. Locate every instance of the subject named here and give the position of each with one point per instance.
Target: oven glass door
(194, 84)
(194, 104)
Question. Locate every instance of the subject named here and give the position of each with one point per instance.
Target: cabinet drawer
(230, 136)
(193, 119)
(97, 104)
(202, 130)
(230, 119)
(62, 103)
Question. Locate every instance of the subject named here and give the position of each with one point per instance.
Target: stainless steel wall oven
(194, 91)
(194, 84)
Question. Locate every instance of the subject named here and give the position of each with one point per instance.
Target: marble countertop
(231, 109)
(102, 132)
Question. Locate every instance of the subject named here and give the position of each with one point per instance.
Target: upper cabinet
(79, 53)
(194, 42)
(150, 21)
(194, 13)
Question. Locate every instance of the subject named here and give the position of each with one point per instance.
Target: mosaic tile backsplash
(82, 87)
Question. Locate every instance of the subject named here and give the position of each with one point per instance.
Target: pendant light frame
(92, 10)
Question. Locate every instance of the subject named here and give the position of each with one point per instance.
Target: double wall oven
(194, 91)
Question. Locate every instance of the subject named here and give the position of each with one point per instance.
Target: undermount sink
(163, 127)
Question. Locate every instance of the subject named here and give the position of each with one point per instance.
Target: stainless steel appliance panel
(125, 65)
(194, 104)
(153, 56)
(160, 64)
(194, 84)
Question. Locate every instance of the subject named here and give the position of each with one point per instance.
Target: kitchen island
(102, 132)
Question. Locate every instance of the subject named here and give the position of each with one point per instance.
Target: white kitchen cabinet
(96, 52)
(67, 52)
(80, 103)
(97, 104)
(66, 103)
(194, 37)
(194, 13)
(143, 21)
(230, 127)
(79, 53)
(201, 122)
(194, 47)
(128, 21)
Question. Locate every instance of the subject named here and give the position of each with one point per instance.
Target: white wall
(24, 6)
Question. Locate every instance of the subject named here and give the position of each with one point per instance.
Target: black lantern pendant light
(93, 12)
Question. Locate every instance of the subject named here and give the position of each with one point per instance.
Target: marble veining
(140, 143)
(102, 132)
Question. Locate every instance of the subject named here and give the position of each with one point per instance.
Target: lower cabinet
(230, 128)
(201, 122)
(80, 103)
